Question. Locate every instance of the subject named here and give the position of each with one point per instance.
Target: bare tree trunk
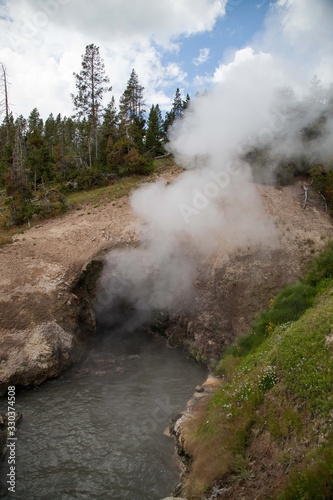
(306, 189)
(325, 202)
(89, 151)
(96, 142)
(4, 104)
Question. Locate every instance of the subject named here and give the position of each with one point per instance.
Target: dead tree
(17, 186)
(306, 189)
(4, 103)
(324, 200)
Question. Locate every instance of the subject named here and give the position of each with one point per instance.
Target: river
(98, 432)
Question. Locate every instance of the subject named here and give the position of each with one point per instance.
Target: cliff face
(46, 320)
(45, 311)
(235, 283)
(266, 428)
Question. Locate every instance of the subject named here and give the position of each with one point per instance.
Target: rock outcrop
(46, 317)
(46, 320)
(235, 283)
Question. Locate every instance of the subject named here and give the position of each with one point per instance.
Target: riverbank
(235, 283)
(47, 322)
(100, 426)
(40, 314)
(266, 431)
(46, 316)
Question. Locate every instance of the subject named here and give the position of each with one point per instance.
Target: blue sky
(170, 43)
(233, 31)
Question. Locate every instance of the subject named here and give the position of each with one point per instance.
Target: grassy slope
(94, 197)
(278, 382)
(116, 189)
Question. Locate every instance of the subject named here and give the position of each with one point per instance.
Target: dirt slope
(38, 311)
(234, 284)
(40, 315)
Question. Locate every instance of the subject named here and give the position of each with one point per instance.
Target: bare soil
(40, 308)
(235, 283)
(40, 313)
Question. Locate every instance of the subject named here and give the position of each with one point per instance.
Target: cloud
(304, 34)
(135, 19)
(215, 203)
(202, 57)
(243, 59)
(41, 43)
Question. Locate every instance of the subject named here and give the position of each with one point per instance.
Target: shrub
(322, 178)
(321, 269)
(314, 482)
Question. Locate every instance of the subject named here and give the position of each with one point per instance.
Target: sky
(190, 44)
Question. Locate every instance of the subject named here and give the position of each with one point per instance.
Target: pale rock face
(46, 317)
(48, 350)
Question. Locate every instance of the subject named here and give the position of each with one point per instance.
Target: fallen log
(306, 189)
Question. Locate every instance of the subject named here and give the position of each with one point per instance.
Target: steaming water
(100, 435)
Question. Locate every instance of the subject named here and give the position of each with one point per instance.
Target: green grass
(289, 305)
(92, 197)
(95, 197)
(278, 379)
(314, 481)
(5, 240)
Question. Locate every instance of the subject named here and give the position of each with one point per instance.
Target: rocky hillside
(267, 430)
(45, 319)
(45, 314)
(235, 283)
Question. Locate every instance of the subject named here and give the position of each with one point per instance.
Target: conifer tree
(154, 135)
(7, 140)
(132, 111)
(177, 110)
(91, 84)
(109, 131)
(17, 185)
(38, 158)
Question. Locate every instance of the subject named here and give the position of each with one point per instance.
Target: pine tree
(131, 102)
(17, 185)
(91, 84)
(186, 103)
(177, 106)
(109, 131)
(50, 133)
(132, 111)
(38, 158)
(177, 110)
(317, 94)
(7, 141)
(155, 135)
(65, 152)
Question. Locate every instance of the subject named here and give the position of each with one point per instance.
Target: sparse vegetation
(322, 177)
(41, 161)
(278, 382)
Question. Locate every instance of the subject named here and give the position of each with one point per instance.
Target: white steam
(261, 100)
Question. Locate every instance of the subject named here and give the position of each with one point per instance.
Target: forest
(41, 161)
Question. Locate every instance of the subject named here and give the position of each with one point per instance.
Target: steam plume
(261, 99)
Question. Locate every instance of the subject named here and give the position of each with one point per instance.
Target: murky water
(98, 433)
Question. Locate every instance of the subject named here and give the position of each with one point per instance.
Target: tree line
(83, 150)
